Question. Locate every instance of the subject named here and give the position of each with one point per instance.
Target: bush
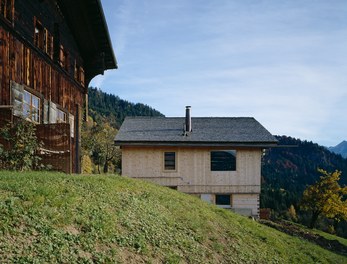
(21, 146)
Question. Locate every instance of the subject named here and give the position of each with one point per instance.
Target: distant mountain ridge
(340, 149)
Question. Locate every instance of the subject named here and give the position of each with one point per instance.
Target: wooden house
(217, 159)
(49, 52)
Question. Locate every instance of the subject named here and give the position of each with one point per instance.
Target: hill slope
(49, 217)
(340, 149)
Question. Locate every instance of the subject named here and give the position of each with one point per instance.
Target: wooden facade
(193, 173)
(45, 70)
(215, 158)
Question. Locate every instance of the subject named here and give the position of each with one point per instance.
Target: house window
(7, 9)
(169, 161)
(223, 200)
(223, 160)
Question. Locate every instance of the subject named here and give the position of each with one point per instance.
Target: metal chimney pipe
(188, 119)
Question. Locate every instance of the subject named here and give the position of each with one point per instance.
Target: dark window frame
(223, 160)
(223, 200)
(170, 161)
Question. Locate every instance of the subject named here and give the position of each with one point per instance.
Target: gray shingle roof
(206, 131)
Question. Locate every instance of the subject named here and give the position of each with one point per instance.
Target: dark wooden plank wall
(57, 150)
(24, 63)
(40, 76)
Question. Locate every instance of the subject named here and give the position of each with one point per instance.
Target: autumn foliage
(326, 198)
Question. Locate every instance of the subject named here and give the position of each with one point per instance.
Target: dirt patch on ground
(295, 230)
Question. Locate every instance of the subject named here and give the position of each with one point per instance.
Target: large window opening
(26, 104)
(223, 160)
(169, 161)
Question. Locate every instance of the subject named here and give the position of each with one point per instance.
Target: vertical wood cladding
(24, 66)
(38, 51)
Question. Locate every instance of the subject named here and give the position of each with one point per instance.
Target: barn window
(223, 160)
(223, 200)
(43, 39)
(31, 107)
(49, 44)
(79, 74)
(7, 9)
(61, 116)
(25, 104)
(39, 35)
(63, 58)
(169, 161)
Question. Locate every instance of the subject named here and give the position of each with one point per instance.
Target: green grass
(57, 218)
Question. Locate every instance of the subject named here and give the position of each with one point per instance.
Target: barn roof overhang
(87, 22)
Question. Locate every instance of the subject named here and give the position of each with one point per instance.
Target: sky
(283, 62)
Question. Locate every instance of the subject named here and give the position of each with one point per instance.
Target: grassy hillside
(50, 217)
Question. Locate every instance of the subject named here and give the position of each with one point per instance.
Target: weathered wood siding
(193, 174)
(40, 70)
(46, 80)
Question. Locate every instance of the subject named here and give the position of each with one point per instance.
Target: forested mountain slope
(287, 171)
(113, 109)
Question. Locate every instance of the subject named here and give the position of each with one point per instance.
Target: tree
(21, 146)
(87, 165)
(326, 197)
(98, 143)
(104, 149)
(292, 213)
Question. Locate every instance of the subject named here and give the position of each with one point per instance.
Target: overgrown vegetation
(21, 147)
(50, 217)
(99, 153)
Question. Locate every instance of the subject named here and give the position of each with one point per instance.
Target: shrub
(21, 146)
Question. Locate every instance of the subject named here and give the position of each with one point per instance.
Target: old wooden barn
(49, 52)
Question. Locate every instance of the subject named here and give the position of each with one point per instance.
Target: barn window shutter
(52, 113)
(72, 125)
(45, 111)
(17, 98)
